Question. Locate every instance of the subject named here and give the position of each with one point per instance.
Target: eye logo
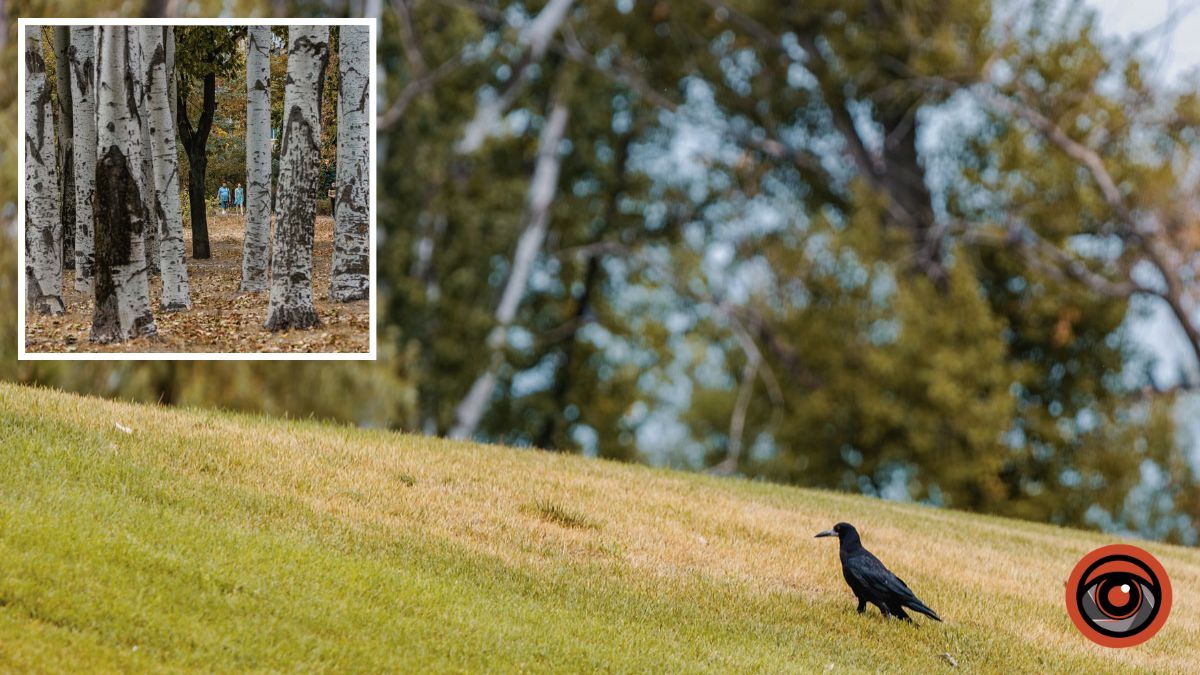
(1118, 595)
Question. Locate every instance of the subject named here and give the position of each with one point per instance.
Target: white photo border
(370, 355)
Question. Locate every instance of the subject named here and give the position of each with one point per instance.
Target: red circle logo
(1118, 595)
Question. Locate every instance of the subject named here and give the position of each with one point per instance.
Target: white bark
(470, 410)
(350, 278)
(165, 162)
(82, 55)
(138, 65)
(122, 285)
(255, 246)
(172, 80)
(291, 304)
(43, 220)
(534, 39)
(538, 33)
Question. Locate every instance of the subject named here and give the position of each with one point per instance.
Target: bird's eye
(1119, 596)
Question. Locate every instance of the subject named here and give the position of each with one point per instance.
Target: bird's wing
(867, 570)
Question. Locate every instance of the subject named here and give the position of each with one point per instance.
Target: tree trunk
(165, 160)
(82, 66)
(350, 279)
(542, 187)
(291, 258)
(172, 84)
(195, 142)
(139, 64)
(258, 160)
(122, 285)
(43, 223)
(66, 141)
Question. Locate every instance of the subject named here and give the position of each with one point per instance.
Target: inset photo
(202, 189)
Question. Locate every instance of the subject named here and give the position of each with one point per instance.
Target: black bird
(871, 581)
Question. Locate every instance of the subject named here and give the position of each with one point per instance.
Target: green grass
(215, 542)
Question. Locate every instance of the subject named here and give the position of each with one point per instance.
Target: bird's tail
(918, 606)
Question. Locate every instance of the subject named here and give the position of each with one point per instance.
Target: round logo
(1118, 595)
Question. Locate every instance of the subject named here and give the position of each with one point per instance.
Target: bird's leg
(884, 611)
(862, 605)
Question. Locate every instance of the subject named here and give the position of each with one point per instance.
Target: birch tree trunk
(66, 141)
(542, 187)
(122, 285)
(299, 157)
(43, 223)
(165, 160)
(350, 279)
(82, 65)
(172, 84)
(255, 246)
(139, 64)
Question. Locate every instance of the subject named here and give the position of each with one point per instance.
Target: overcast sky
(1178, 45)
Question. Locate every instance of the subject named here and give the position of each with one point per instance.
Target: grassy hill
(147, 538)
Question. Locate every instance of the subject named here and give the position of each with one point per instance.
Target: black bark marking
(362, 101)
(43, 109)
(120, 211)
(131, 91)
(159, 56)
(345, 198)
(119, 217)
(83, 71)
(34, 61)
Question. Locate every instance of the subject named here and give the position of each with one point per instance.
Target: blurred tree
(901, 348)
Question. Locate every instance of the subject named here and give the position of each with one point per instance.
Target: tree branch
(542, 187)
(1146, 234)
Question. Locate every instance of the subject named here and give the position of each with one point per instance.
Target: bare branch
(737, 420)
(414, 88)
(542, 186)
(534, 39)
(1145, 233)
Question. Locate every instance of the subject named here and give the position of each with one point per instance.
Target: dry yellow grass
(500, 558)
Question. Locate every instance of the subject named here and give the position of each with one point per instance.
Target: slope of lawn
(147, 538)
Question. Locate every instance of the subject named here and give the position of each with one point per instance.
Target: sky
(1177, 44)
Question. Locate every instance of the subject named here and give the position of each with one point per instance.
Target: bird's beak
(826, 533)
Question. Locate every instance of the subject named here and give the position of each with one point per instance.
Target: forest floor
(147, 538)
(221, 318)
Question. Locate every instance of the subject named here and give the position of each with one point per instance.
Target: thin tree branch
(1147, 233)
(542, 187)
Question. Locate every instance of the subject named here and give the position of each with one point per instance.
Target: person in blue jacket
(223, 197)
(239, 200)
